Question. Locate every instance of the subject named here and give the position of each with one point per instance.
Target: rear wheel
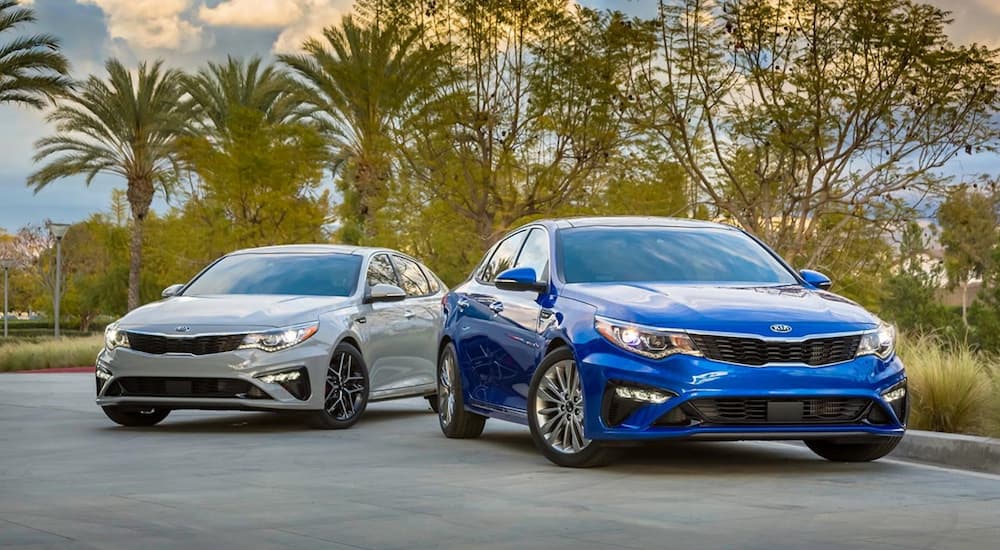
(345, 390)
(853, 452)
(556, 414)
(136, 418)
(455, 421)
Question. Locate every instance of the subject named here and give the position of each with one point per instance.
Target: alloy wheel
(559, 408)
(345, 387)
(446, 394)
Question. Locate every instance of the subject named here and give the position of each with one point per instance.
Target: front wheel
(853, 452)
(556, 414)
(345, 390)
(136, 418)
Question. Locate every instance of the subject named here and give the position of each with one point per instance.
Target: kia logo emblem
(182, 328)
(781, 329)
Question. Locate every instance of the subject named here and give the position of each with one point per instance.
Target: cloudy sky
(188, 32)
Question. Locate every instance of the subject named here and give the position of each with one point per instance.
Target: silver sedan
(317, 329)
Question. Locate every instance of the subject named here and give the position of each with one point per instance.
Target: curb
(967, 452)
(57, 370)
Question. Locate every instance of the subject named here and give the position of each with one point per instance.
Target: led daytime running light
(646, 341)
(280, 339)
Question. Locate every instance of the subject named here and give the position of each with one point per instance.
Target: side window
(503, 257)
(535, 253)
(431, 279)
(411, 278)
(380, 272)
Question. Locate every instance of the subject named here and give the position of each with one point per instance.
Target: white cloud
(297, 19)
(152, 24)
(319, 15)
(253, 13)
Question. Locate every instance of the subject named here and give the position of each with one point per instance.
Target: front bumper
(720, 401)
(221, 381)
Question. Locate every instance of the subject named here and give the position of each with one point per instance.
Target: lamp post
(58, 231)
(6, 264)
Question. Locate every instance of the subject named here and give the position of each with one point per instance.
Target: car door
(491, 321)
(415, 339)
(382, 320)
(516, 323)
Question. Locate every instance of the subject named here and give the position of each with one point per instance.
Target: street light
(6, 264)
(58, 231)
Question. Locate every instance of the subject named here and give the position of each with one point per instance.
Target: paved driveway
(70, 479)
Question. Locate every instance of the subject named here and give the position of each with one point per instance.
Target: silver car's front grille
(196, 345)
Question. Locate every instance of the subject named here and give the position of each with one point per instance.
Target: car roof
(313, 249)
(630, 221)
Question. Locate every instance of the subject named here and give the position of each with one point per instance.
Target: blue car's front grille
(756, 352)
(781, 411)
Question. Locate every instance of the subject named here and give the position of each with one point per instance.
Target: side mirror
(520, 278)
(384, 293)
(172, 290)
(816, 279)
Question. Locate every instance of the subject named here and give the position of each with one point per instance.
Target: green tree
(32, 71)
(968, 220)
(532, 123)
(125, 127)
(364, 82)
(219, 88)
(911, 293)
(842, 109)
(259, 184)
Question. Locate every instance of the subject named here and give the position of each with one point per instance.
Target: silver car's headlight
(279, 339)
(114, 337)
(880, 342)
(646, 341)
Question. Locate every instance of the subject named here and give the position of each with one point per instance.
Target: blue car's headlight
(880, 342)
(646, 341)
(279, 339)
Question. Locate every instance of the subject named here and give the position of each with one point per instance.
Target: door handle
(496, 307)
(408, 314)
(462, 304)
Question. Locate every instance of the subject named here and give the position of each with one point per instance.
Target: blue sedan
(600, 333)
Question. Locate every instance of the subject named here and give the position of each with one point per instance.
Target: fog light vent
(294, 381)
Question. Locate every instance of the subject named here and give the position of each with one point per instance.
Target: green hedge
(50, 353)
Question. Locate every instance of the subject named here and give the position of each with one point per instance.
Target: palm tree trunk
(140, 197)
(135, 263)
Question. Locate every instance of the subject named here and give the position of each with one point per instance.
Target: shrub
(47, 354)
(950, 385)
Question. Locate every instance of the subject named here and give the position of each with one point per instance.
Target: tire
(136, 418)
(556, 414)
(345, 390)
(853, 452)
(434, 402)
(455, 421)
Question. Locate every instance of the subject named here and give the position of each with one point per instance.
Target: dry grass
(953, 388)
(47, 354)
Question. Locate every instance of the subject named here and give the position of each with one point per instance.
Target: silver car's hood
(217, 312)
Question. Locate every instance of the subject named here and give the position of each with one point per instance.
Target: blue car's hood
(749, 310)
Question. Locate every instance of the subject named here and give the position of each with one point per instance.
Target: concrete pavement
(71, 479)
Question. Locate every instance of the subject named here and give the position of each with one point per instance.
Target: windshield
(666, 254)
(291, 274)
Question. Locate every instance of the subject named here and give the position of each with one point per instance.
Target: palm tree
(363, 81)
(32, 71)
(121, 126)
(215, 90)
